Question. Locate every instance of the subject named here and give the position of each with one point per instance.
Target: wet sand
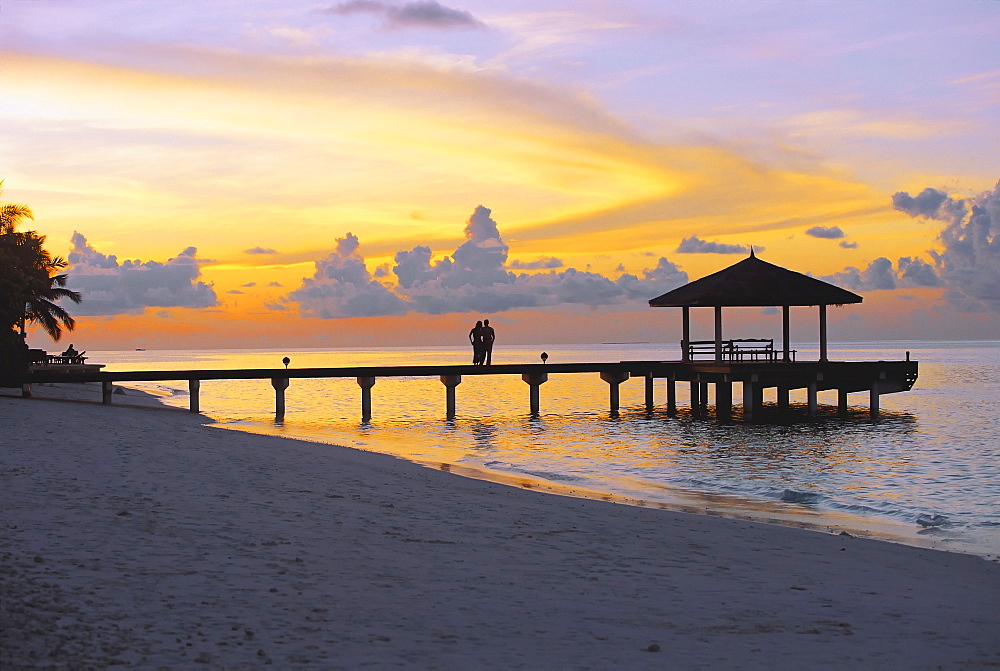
(141, 537)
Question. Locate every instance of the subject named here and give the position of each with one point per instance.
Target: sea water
(928, 473)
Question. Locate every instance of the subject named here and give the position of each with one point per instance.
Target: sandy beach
(142, 538)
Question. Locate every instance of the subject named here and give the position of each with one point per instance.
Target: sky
(366, 172)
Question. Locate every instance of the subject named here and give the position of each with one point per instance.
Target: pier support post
(842, 402)
(107, 390)
(672, 394)
(753, 396)
(650, 381)
(194, 387)
(783, 399)
(685, 334)
(724, 400)
(450, 382)
(366, 384)
(703, 395)
(280, 384)
(873, 402)
(695, 396)
(614, 379)
(811, 398)
(534, 381)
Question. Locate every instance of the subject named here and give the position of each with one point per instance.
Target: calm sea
(927, 474)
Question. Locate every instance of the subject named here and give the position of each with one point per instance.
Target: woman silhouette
(476, 338)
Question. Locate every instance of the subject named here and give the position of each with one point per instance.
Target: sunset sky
(308, 174)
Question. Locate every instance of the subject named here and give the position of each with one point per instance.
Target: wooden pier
(873, 378)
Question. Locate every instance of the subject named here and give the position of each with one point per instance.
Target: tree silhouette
(30, 283)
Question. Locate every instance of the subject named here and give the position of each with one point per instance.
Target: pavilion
(755, 362)
(753, 283)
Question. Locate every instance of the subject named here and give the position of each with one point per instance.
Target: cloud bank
(475, 278)
(109, 287)
(969, 264)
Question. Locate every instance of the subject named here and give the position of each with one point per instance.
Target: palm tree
(29, 278)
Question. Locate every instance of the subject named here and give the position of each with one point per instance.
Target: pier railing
(873, 377)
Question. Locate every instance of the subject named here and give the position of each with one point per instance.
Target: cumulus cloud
(260, 250)
(826, 232)
(343, 287)
(544, 263)
(422, 14)
(475, 278)
(880, 274)
(969, 263)
(848, 245)
(109, 287)
(695, 245)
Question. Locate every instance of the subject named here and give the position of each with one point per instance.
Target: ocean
(927, 474)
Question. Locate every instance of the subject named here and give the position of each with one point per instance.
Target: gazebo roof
(752, 283)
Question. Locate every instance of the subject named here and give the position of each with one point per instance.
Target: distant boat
(140, 349)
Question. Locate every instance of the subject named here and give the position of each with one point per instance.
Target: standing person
(476, 338)
(488, 337)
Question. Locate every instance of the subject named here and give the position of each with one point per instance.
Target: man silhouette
(488, 337)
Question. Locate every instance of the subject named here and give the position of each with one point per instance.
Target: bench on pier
(738, 349)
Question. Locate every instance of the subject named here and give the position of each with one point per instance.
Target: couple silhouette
(482, 336)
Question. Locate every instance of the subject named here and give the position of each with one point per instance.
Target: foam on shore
(142, 537)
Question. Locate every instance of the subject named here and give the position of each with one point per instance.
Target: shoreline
(676, 498)
(149, 539)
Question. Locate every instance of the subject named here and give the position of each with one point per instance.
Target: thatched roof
(753, 282)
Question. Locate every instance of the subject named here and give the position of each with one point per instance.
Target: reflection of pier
(871, 377)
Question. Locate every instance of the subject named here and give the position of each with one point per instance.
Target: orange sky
(205, 176)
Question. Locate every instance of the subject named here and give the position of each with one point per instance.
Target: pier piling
(534, 380)
(280, 384)
(194, 388)
(450, 382)
(366, 383)
(614, 379)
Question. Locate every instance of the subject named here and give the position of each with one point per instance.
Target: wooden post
(534, 381)
(718, 333)
(650, 381)
(724, 400)
(107, 389)
(280, 384)
(751, 393)
(873, 398)
(695, 395)
(450, 382)
(614, 379)
(672, 394)
(703, 394)
(366, 384)
(686, 334)
(811, 392)
(785, 336)
(194, 386)
(842, 402)
(782, 399)
(822, 333)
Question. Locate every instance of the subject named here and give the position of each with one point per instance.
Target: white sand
(143, 538)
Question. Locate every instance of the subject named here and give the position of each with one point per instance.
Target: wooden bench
(738, 349)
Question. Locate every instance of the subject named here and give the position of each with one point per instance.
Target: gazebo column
(718, 333)
(685, 333)
(822, 333)
(785, 333)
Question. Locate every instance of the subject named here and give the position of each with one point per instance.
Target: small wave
(926, 520)
(554, 477)
(792, 496)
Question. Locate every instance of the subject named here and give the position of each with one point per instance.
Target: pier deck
(874, 377)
